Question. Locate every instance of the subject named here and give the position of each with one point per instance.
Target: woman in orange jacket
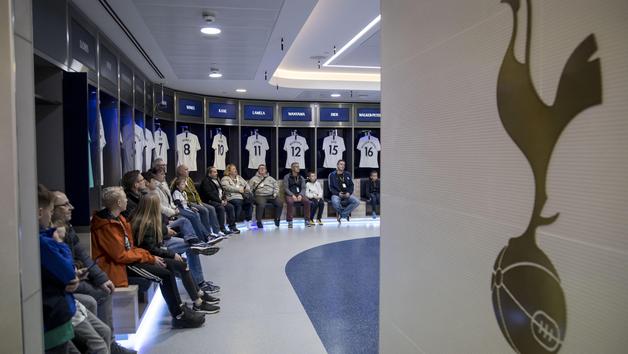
(115, 253)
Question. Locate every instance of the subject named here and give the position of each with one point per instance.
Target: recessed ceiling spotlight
(215, 74)
(241, 90)
(212, 31)
(335, 95)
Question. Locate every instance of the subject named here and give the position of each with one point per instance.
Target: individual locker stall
(297, 137)
(109, 108)
(132, 129)
(139, 109)
(149, 128)
(190, 134)
(367, 144)
(164, 127)
(258, 137)
(334, 138)
(222, 134)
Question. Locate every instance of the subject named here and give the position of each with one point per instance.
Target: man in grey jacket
(265, 189)
(294, 187)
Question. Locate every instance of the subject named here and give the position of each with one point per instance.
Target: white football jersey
(334, 146)
(187, 146)
(101, 144)
(257, 146)
(133, 146)
(295, 146)
(161, 145)
(219, 144)
(149, 146)
(369, 148)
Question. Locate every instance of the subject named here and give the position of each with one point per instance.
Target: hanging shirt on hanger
(101, 144)
(187, 146)
(133, 146)
(334, 146)
(149, 146)
(219, 144)
(161, 145)
(257, 145)
(295, 146)
(369, 147)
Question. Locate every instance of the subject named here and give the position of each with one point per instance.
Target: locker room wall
(457, 188)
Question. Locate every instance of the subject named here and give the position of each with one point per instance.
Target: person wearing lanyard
(341, 188)
(294, 188)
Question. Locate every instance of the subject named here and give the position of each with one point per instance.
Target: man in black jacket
(97, 284)
(211, 193)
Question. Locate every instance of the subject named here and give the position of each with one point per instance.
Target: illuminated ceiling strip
(354, 39)
(353, 66)
(322, 75)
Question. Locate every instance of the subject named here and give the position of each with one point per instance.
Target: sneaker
(209, 287)
(374, 216)
(277, 221)
(250, 225)
(338, 218)
(348, 217)
(206, 308)
(260, 225)
(188, 319)
(224, 232)
(234, 230)
(199, 247)
(214, 240)
(210, 299)
(289, 224)
(208, 251)
(118, 349)
(308, 223)
(319, 221)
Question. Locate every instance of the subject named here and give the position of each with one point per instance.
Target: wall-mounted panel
(126, 83)
(50, 29)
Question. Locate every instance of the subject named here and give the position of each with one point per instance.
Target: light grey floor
(260, 313)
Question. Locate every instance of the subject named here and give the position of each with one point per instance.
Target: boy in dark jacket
(372, 191)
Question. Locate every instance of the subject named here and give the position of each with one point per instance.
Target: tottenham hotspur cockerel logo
(528, 299)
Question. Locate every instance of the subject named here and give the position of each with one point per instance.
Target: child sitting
(314, 192)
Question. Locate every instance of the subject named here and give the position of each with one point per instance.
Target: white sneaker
(251, 225)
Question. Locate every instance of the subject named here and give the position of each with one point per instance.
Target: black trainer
(188, 319)
(277, 222)
(226, 232)
(260, 225)
(214, 240)
(210, 299)
(118, 349)
(234, 229)
(206, 308)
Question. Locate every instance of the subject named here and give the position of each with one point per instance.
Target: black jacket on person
(150, 243)
(335, 185)
(372, 187)
(80, 255)
(132, 201)
(209, 191)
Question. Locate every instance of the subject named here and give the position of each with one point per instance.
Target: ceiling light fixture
(241, 90)
(368, 27)
(335, 95)
(212, 31)
(215, 74)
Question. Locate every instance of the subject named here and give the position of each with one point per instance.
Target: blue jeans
(240, 205)
(349, 204)
(374, 200)
(208, 216)
(184, 229)
(199, 229)
(178, 245)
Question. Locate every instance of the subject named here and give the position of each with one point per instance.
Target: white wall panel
(458, 187)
